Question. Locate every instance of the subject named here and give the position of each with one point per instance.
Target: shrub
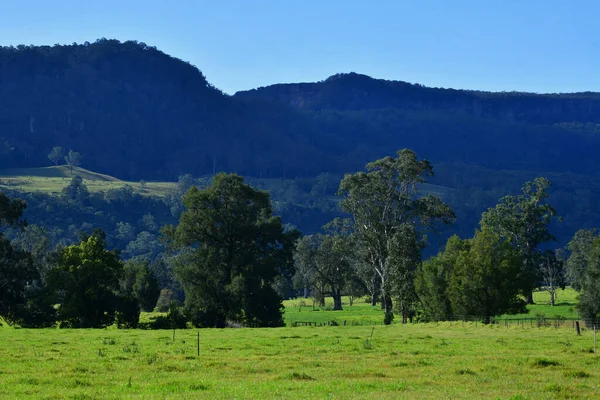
(128, 314)
(175, 319)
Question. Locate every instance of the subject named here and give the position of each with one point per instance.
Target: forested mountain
(136, 113)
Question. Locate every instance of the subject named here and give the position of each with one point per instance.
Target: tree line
(232, 260)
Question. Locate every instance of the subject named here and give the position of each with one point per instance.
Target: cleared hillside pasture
(427, 361)
(51, 180)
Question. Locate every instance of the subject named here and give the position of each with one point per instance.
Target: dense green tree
(484, 279)
(386, 203)
(579, 249)
(139, 282)
(524, 221)
(76, 190)
(237, 248)
(405, 255)
(11, 211)
(16, 272)
(86, 281)
(589, 300)
(56, 154)
(433, 277)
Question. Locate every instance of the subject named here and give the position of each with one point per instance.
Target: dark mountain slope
(134, 112)
(360, 92)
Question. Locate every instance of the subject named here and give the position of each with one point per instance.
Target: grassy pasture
(51, 180)
(427, 361)
(361, 312)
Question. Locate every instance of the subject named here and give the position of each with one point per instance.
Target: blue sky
(525, 45)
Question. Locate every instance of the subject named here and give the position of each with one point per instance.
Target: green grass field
(426, 361)
(52, 180)
(361, 312)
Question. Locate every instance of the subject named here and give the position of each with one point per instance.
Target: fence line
(531, 322)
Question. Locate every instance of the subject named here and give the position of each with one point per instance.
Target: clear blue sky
(525, 45)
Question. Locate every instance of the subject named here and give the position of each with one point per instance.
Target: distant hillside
(61, 171)
(135, 113)
(51, 180)
(360, 92)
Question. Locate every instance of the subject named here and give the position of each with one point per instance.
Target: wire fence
(530, 322)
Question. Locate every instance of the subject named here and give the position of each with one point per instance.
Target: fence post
(594, 338)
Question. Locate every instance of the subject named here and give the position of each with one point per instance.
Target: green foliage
(323, 262)
(552, 273)
(11, 211)
(139, 283)
(22, 296)
(76, 191)
(589, 300)
(86, 280)
(484, 280)
(235, 249)
(16, 271)
(391, 217)
(56, 154)
(433, 277)
(579, 249)
(524, 222)
(164, 301)
(128, 314)
(477, 277)
(73, 159)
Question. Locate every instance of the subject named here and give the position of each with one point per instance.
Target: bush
(128, 314)
(175, 319)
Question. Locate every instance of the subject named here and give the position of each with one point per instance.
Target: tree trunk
(337, 299)
(375, 290)
(552, 298)
(351, 299)
(389, 307)
(306, 292)
(529, 297)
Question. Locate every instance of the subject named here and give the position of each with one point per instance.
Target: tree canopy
(232, 249)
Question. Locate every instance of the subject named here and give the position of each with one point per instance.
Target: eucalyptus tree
(323, 261)
(389, 210)
(552, 273)
(73, 159)
(56, 154)
(524, 221)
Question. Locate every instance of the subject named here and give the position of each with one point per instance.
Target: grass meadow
(51, 180)
(426, 361)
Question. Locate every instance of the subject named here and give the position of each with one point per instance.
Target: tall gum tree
(388, 208)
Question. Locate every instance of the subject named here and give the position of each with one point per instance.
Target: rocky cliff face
(356, 92)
